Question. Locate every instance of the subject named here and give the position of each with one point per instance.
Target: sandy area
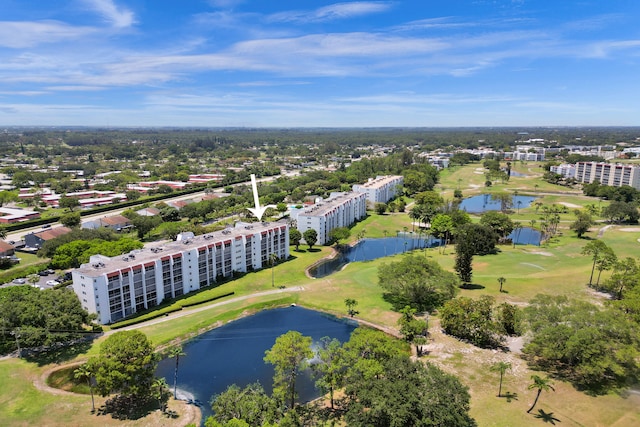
(630, 229)
(570, 205)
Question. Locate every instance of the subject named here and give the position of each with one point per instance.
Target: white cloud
(332, 12)
(119, 17)
(25, 34)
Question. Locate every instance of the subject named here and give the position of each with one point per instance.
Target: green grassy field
(555, 268)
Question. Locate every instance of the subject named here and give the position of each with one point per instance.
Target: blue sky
(281, 63)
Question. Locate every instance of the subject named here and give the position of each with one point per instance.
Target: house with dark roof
(36, 240)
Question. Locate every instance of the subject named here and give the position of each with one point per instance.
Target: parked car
(46, 226)
(50, 271)
(52, 283)
(20, 281)
(43, 273)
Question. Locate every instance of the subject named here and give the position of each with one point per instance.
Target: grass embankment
(555, 268)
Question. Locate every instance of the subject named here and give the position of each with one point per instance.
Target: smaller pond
(370, 249)
(514, 173)
(486, 202)
(526, 236)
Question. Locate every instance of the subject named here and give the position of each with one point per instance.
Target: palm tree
(273, 258)
(176, 352)
(3, 232)
(501, 367)
(532, 223)
(159, 389)
(517, 228)
(386, 233)
(540, 384)
(519, 203)
(85, 373)
(501, 280)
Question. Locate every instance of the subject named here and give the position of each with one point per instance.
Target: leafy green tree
(176, 352)
(582, 223)
(8, 196)
(508, 318)
(595, 348)
(471, 320)
(45, 318)
(71, 220)
(3, 232)
(412, 329)
(498, 222)
(618, 211)
(251, 405)
(380, 208)
(85, 372)
(626, 275)
(310, 237)
(288, 355)
(501, 367)
(339, 234)
(539, 384)
(417, 282)
(331, 367)
(294, 237)
(367, 350)
(144, 224)
(408, 394)
(472, 239)
(68, 203)
(442, 227)
(126, 365)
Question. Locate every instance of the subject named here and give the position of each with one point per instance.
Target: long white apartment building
(339, 210)
(114, 288)
(381, 189)
(614, 175)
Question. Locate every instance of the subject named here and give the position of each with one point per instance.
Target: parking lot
(44, 282)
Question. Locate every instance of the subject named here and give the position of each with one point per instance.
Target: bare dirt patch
(570, 205)
(630, 229)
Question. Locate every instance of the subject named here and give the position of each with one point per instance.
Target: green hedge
(161, 311)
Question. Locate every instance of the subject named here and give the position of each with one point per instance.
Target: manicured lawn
(555, 268)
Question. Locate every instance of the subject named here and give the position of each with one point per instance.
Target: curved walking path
(189, 311)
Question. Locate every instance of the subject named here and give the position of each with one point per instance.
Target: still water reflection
(234, 353)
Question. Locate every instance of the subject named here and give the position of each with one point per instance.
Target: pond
(526, 236)
(514, 173)
(370, 249)
(234, 353)
(486, 202)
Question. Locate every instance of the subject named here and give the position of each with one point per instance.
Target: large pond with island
(233, 353)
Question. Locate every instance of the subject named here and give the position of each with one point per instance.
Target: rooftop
(156, 250)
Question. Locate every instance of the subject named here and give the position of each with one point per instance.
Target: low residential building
(12, 215)
(114, 222)
(614, 175)
(339, 210)
(6, 250)
(36, 240)
(116, 287)
(206, 177)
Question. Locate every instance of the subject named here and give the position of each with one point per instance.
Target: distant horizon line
(169, 127)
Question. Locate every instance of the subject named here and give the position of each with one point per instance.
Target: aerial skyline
(231, 63)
